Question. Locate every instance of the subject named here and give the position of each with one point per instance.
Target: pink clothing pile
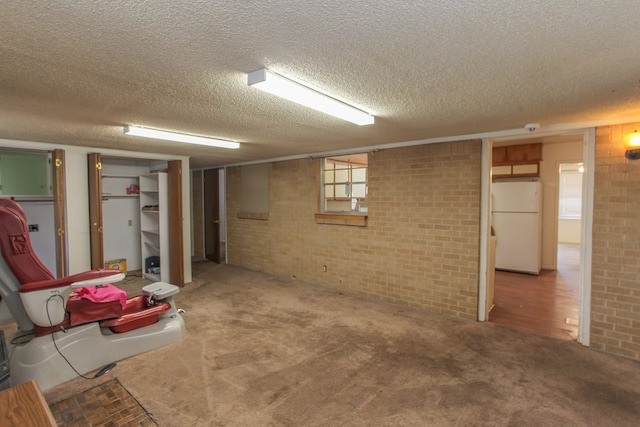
(103, 293)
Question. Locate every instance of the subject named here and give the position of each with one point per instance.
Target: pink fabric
(103, 293)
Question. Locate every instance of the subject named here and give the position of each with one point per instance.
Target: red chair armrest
(69, 280)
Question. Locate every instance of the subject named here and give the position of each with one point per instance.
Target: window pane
(570, 201)
(342, 175)
(340, 166)
(359, 174)
(359, 190)
(328, 191)
(341, 190)
(328, 176)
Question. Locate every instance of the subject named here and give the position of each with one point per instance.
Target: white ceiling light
(267, 81)
(179, 137)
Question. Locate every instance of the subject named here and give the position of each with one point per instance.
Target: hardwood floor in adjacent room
(546, 304)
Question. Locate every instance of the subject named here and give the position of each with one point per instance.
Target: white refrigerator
(516, 218)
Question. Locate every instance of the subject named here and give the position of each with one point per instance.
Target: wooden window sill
(353, 220)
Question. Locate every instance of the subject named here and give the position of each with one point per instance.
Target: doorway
(570, 189)
(213, 247)
(117, 219)
(550, 303)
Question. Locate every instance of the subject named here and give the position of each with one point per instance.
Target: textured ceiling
(74, 73)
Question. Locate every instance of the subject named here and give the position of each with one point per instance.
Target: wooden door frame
(211, 216)
(94, 163)
(584, 300)
(59, 214)
(176, 222)
(175, 216)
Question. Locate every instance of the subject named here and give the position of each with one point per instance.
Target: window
(570, 200)
(344, 183)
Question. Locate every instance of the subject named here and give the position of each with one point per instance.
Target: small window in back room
(570, 197)
(344, 183)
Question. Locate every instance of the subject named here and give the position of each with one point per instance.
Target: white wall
(41, 213)
(552, 155)
(569, 230)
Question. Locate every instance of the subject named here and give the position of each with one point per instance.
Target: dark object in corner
(5, 376)
(104, 370)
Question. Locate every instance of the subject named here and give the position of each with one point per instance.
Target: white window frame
(349, 202)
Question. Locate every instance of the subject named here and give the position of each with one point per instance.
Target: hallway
(546, 304)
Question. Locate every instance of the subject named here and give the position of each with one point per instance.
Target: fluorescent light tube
(179, 137)
(267, 81)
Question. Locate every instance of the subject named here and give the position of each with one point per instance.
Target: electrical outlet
(34, 227)
(130, 223)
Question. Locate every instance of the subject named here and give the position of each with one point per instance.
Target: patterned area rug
(106, 405)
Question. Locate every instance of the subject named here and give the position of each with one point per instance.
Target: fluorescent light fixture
(179, 137)
(267, 81)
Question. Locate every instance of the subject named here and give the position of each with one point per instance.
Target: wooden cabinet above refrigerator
(517, 160)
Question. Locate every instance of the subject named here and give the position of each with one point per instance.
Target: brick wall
(615, 298)
(421, 243)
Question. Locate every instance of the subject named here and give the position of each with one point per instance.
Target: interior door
(57, 156)
(176, 223)
(212, 239)
(95, 210)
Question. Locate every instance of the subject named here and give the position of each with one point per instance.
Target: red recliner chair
(61, 334)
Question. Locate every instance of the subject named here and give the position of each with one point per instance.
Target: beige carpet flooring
(262, 351)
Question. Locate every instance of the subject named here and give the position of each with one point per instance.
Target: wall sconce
(632, 143)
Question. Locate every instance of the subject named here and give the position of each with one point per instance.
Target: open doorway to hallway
(214, 223)
(548, 303)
